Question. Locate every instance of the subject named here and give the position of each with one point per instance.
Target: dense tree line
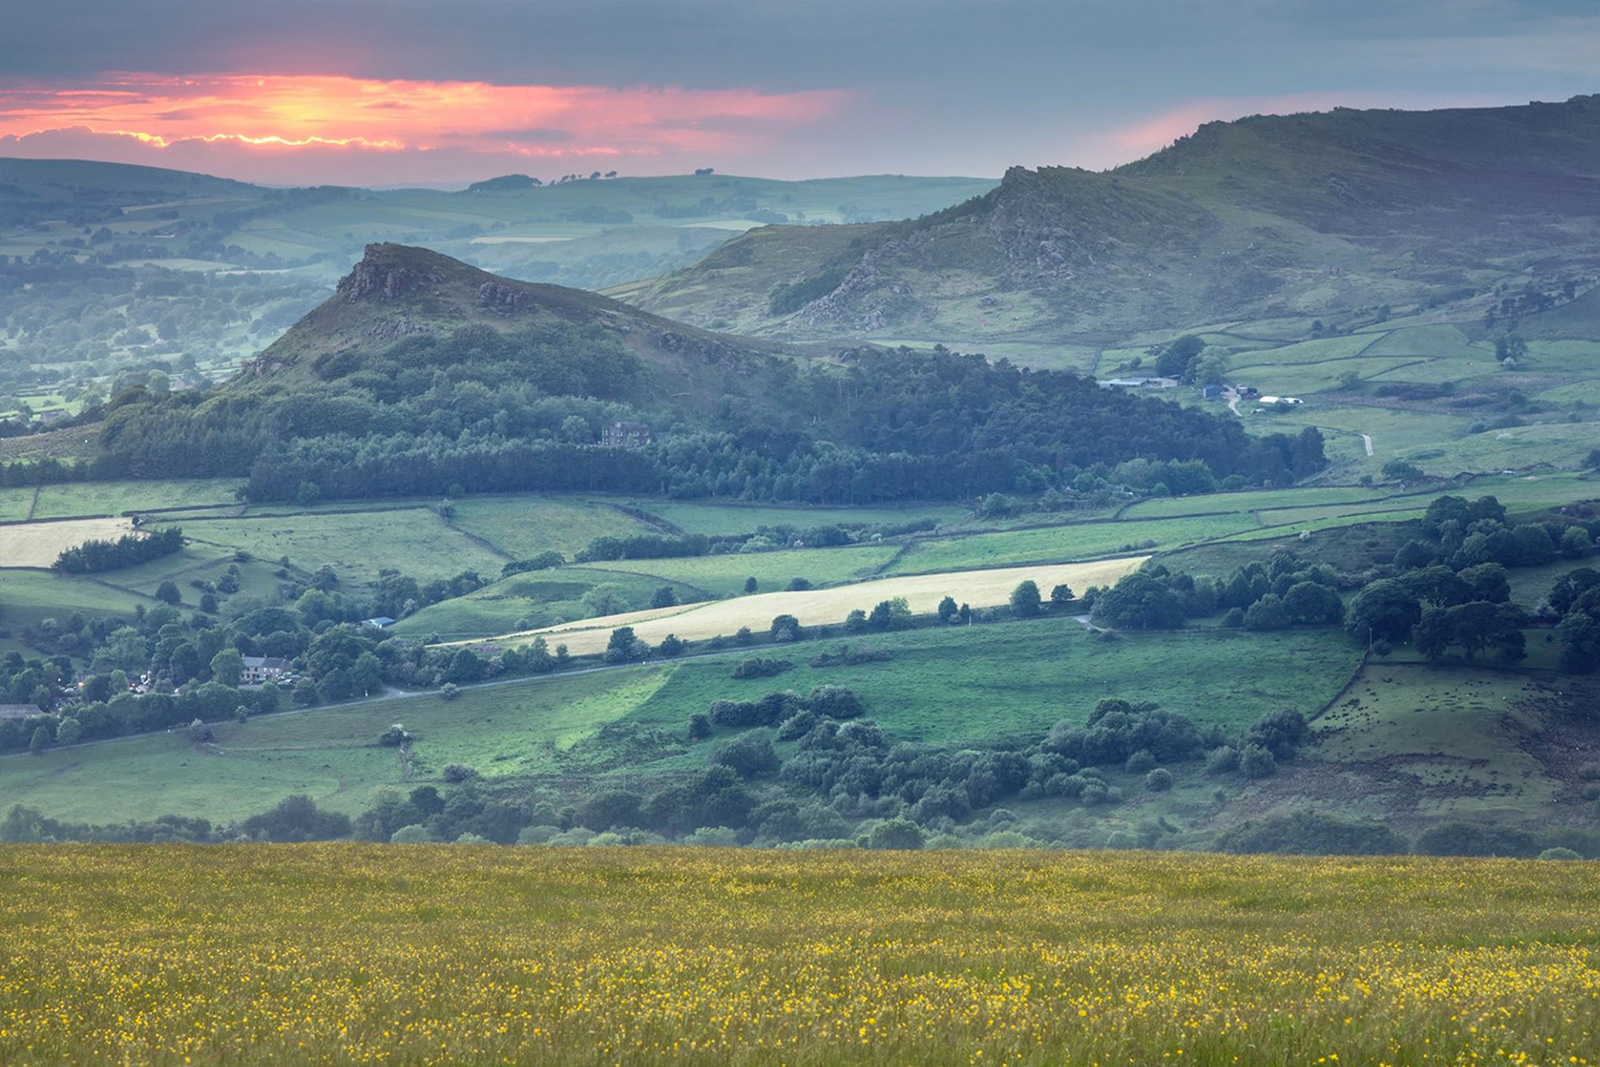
(484, 411)
(95, 555)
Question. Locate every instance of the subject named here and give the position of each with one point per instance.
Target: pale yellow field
(37, 544)
(696, 622)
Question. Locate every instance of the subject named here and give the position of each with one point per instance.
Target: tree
(1385, 609)
(786, 628)
(664, 597)
(366, 674)
(900, 834)
(947, 610)
(68, 730)
(227, 667)
(750, 585)
(1025, 599)
(1172, 360)
(169, 593)
(1062, 595)
(620, 648)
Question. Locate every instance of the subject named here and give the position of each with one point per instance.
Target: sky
(394, 92)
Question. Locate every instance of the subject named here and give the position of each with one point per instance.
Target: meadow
(981, 685)
(345, 954)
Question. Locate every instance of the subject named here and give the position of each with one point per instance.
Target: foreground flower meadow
(343, 954)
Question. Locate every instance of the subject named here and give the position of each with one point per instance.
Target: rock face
(502, 299)
(379, 277)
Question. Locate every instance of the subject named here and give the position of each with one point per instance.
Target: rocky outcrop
(379, 277)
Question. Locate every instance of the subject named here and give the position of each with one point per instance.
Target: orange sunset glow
(296, 113)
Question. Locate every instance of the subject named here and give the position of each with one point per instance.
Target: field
(38, 544)
(978, 685)
(1456, 743)
(340, 954)
(980, 589)
(1068, 542)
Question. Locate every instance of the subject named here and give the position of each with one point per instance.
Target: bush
(414, 834)
(699, 726)
(449, 691)
(899, 834)
(1256, 762)
(1559, 853)
(1308, 833)
(1469, 839)
(758, 667)
(1159, 780)
(749, 756)
(456, 773)
(1139, 762)
(394, 735)
(1224, 759)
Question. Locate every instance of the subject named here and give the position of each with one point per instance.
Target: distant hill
(1310, 214)
(422, 373)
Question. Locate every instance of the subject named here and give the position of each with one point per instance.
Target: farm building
(377, 623)
(628, 434)
(19, 711)
(1211, 392)
(1290, 400)
(258, 669)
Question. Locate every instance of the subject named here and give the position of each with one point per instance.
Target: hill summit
(1313, 214)
(397, 291)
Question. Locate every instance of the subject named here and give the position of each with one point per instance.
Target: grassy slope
(1023, 676)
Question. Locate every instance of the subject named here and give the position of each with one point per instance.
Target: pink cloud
(201, 115)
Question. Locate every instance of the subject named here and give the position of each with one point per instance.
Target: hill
(422, 374)
(1315, 214)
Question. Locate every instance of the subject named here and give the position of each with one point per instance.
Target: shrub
(900, 834)
(749, 756)
(758, 667)
(456, 773)
(1256, 762)
(1310, 833)
(1224, 759)
(449, 691)
(1139, 762)
(1559, 853)
(1158, 780)
(699, 726)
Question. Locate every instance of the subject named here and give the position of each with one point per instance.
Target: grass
(1250, 500)
(27, 596)
(348, 954)
(37, 544)
(114, 498)
(725, 575)
(330, 754)
(1085, 541)
(417, 541)
(523, 526)
(974, 685)
(709, 518)
(527, 601)
(1448, 742)
(15, 504)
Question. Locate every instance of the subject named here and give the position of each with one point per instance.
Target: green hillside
(1314, 215)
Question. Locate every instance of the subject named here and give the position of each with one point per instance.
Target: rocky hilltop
(1316, 214)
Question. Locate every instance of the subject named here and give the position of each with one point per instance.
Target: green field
(521, 527)
(977, 685)
(418, 542)
(1086, 541)
(724, 575)
(529, 601)
(713, 518)
(114, 498)
(1431, 743)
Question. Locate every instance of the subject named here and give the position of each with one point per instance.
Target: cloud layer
(264, 124)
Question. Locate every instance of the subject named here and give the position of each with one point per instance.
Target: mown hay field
(37, 544)
(348, 954)
(979, 588)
